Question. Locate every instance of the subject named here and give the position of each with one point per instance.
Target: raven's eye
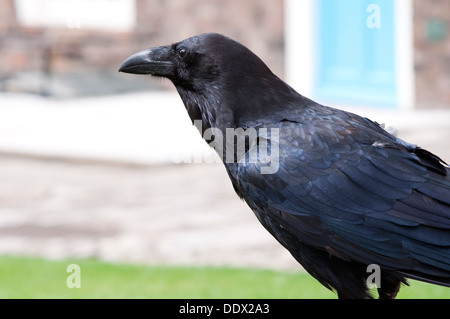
(182, 52)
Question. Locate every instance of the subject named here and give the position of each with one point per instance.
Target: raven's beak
(153, 61)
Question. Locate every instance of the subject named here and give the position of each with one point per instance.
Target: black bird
(343, 195)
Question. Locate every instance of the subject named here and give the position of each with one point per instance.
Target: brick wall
(432, 53)
(256, 23)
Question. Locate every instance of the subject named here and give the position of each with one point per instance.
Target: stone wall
(432, 53)
(259, 24)
(256, 23)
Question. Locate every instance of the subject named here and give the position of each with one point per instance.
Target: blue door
(356, 52)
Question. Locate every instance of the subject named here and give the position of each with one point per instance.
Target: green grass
(39, 278)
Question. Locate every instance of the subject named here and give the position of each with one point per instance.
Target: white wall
(111, 15)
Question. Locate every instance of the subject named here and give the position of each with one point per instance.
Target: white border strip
(300, 45)
(405, 54)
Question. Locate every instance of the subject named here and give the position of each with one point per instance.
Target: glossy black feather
(346, 193)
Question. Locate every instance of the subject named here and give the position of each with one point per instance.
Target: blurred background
(88, 168)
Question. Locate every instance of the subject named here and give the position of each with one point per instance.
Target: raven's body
(346, 194)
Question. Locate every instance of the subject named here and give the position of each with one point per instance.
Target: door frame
(300, 49)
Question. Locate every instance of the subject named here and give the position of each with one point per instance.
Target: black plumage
(345, 193)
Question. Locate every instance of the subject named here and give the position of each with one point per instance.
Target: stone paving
(162, 214)
(174, 214)
(140, 211)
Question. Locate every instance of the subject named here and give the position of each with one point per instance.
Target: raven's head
(196, 62)
(213, 75)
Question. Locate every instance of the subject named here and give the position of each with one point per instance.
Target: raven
(345, 198)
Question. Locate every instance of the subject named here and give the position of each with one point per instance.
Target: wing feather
(372, 202)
